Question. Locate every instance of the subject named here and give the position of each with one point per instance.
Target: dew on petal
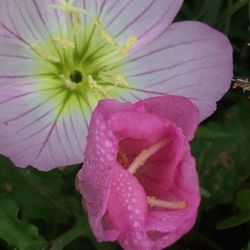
(108, 143)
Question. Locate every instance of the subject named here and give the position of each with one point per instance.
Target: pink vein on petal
(137, 18)
(174, 66)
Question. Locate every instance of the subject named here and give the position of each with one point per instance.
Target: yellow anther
(76, 22)
(63, 42)
(68, 6)
(119, 80)
(116, 79)
(94, 85)
(141, 158)
(128, 45)
(45, 55)
(68, 83)
(154, 202)
(104, 34)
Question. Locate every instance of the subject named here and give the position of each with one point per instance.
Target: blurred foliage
(223, 161)
(18, 233)
(42, 211)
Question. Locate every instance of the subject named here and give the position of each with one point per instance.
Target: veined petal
(177, 222)
(42, 126)
(190, 59)
(176, 109)
(143, 19)
(95, 178)
(17, 63)
(127, 210)
(30, 20)
(23, 25)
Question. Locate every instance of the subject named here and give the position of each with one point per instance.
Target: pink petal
(23, 25)
(176, 109)
(190, 59)
(143, 19)
(35, 133)
(95, 178)
(116, 200)
(175, 223)
(30, 20)
(127, 210)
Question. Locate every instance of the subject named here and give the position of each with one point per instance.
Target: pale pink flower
(138, 183)
(59, 58)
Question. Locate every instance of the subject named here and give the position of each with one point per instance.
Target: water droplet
(140, 235)
(109, 157)
(137, 211)
(130, 207)
(136, 224)
(108, 143)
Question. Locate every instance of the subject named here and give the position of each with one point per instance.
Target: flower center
(76, 76)
(138, 162)
(81, 59)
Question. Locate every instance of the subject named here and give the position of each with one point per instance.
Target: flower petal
(23, 25)
(127, 210)
(95, 178)
(175, 223)
(143, 19)
(38, 128)
(158, 172)
(176, 109)
(190, 59)
(29, 20)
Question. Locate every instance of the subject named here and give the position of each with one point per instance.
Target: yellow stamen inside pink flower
(138, 162)
(145, 154)
(154, 202)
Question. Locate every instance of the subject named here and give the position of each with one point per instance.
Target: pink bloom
(59, 58)
(138, 183)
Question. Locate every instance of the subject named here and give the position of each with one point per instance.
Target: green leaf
(65, 239)
(206, 133)
(16, 232)
(235, 220)
(248, 246)
(38, 193)
(210, 11)
(242, 199)
(234, 8)
(223, 161)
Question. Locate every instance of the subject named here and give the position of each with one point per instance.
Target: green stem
(68, 237)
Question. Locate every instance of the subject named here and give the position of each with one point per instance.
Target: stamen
(68, 6)
(68, 83)
(116, 79)
(63, 42)
(45, 55)
(76, 22)
(128, 45)
(144, 155)
(94, 85)
(104, 34)
(153, 202)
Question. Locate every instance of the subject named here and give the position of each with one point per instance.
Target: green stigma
(83, 62)
(76, 76)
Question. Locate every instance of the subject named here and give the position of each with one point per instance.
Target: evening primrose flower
(59, 58)
(138, 182)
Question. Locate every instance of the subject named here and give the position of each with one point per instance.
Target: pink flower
(138, 183)
(60, 57)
